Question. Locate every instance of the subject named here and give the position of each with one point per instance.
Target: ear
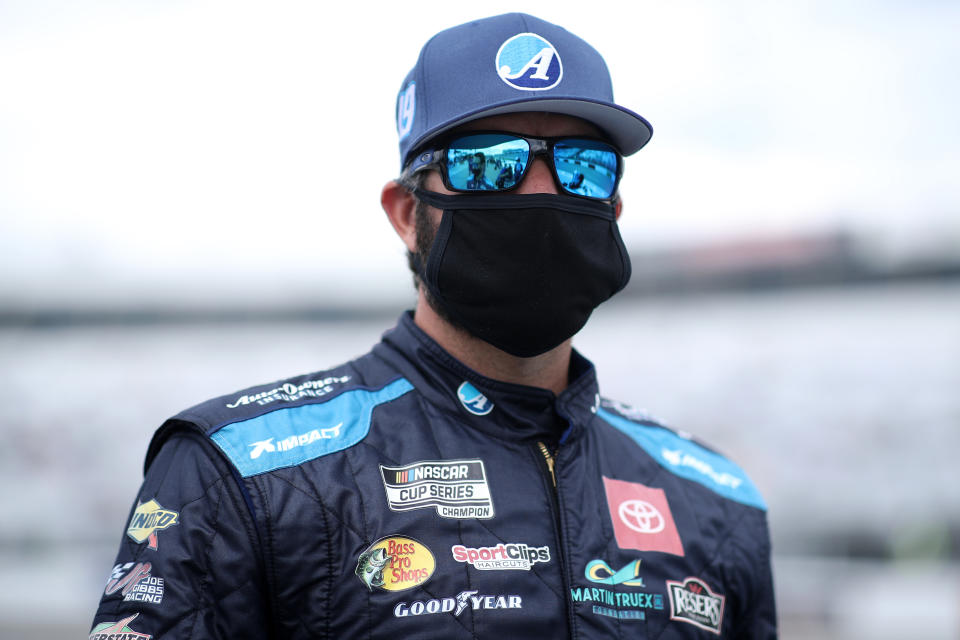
(400, 207)
(618, 208)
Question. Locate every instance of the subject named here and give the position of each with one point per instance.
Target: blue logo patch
(290, 436)
(600, 571)
(474, 401)
(529, 63)
(406, 106)
(689, 460)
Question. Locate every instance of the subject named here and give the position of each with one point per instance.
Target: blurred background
(189, 205)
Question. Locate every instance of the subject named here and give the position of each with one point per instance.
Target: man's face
(539, 178)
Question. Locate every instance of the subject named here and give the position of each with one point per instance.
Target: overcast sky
(236, 148)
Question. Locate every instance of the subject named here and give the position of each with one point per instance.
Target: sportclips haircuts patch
(456, 488)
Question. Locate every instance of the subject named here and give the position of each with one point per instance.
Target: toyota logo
(641, 516)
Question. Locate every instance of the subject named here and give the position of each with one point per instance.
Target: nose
(539, 178)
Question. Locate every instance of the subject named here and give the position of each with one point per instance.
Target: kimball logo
(290, 392)
(117, 631)
(692, 601)
(503, 556)
(149, 518)
(456, 488)
(293, 442)
(457, 604)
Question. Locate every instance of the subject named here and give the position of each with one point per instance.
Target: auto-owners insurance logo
(457, 488)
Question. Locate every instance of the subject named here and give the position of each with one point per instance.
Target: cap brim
(628, 131)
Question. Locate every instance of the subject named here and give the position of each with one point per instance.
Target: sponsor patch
(395, 563)
(502, 556)
(474, 401)
(406, 107)
(456, 488)
(292, 442)
(692, 601)
(683, 457)
(149, 518)
(457, 604)
(641, 517)
(291, 392)
(613, 604)
(135, 583)
(528, 62)
(119, 630)
(679, 458)
(602, 573)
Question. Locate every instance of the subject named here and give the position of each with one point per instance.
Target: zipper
(548, 457)
(549, 465)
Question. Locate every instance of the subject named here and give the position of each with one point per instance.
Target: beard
(426, 233)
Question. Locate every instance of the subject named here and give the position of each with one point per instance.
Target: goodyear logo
(149, 518)
(395, 563)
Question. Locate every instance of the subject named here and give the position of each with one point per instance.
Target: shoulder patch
(294, 435)
(687, 459)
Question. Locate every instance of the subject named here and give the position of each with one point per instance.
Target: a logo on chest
(455, 488)
(641, 517)
(692, 601)
(395, 563)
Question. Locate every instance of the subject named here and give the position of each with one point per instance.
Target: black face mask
(523, 271)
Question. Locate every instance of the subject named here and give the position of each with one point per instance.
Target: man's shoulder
(289, 421)
(682, 454)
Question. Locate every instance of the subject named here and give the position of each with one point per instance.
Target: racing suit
(402, 495)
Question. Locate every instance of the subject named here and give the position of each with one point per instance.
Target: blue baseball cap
(506, 64)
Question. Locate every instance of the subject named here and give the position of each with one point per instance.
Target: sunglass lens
(486, 161)
(586, 167)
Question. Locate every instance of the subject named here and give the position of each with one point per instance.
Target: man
(464, 479)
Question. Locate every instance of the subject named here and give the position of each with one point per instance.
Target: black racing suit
(402, 495)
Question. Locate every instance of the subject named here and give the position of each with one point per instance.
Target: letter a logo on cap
(528, 62)
(641, 517)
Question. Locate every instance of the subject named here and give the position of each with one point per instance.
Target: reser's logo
(528, 62)
(291, 442)
(692, 601)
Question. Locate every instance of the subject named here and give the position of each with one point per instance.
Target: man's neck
(548, 370)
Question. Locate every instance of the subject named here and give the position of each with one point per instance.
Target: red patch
(641, 517)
